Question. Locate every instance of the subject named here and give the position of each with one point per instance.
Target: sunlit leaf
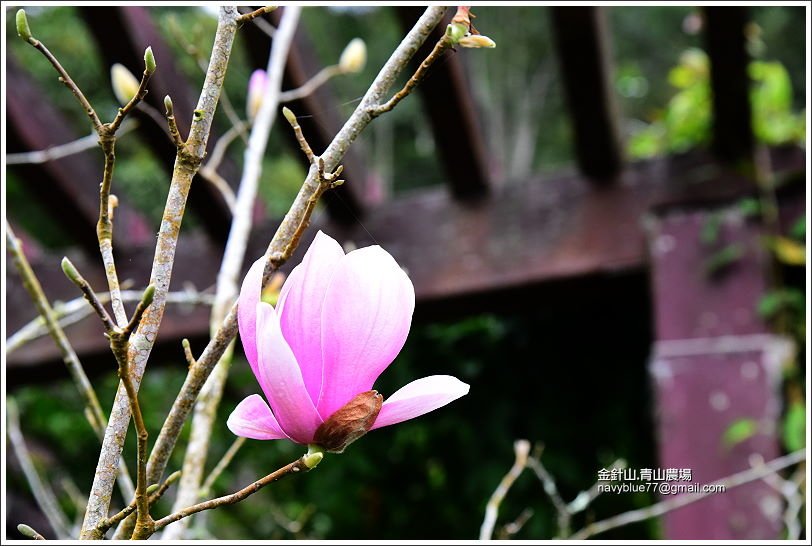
(788, 251)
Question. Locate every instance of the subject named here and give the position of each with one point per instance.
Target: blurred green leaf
(738, 431)
(793, 432)
(723, 258)
(777, 300)
(798, 229)
(749, 207)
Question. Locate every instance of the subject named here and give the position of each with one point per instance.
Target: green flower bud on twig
(153, 488)
(149, 295)
(70, 270)
(27, 530)
(23, 30)
(149, 60)
(168, 105)
(289, 115)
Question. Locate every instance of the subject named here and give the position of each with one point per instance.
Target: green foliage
(723, 258)
(686, 121)
(739, 431)
(793, 431)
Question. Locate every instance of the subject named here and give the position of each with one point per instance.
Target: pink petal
(281, 380)
(247, 311)
(252, 418)
(365, 320)
(419, 397)
(300, 304)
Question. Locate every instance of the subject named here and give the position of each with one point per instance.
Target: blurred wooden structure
(468, 247)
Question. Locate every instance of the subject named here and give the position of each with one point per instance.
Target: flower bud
(26, 530)
(349, 423)
(289, 115)
(256, 90)
(69, 270)
(149, 60)
(354, 56)
(153, 488)
(23, 30)
(168, 105)
(476, 40)
(125, 85)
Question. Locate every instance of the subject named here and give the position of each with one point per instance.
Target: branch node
(70, 271)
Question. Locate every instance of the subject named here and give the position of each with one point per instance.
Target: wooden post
(584, 57)
(714, 364)
(727, 49)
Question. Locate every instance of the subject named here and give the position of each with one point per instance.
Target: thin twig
(77, 309)
(307, 88)
(174, 133)
(90, 295)
(246, 17)
(228, 456)
(187, 164)
(510, 529)
(64, 150)
(94, 411)
(130, 508)
(550, 488)
(439, 48)
(187, 352)
(297, 130)
(521, 449)
(65, 78)
(288, 229)
(585, 498)
(205, 411)
(41, 490)
(292, 468)
(660, 508)
(790, 491)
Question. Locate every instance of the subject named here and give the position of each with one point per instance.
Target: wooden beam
(70, 183)
(122, 34)
(582, 45)
(318, 116)
(451, 111)
(730, 83)
(559, 240)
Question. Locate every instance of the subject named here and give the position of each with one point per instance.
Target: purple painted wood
(714, 363)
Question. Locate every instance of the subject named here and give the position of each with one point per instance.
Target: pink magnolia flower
(340, 321)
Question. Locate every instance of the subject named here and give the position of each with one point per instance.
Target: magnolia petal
(252, 418)
(250, 294)
(281, 380)
(365, 320)
(300, 304)
(419, 397)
